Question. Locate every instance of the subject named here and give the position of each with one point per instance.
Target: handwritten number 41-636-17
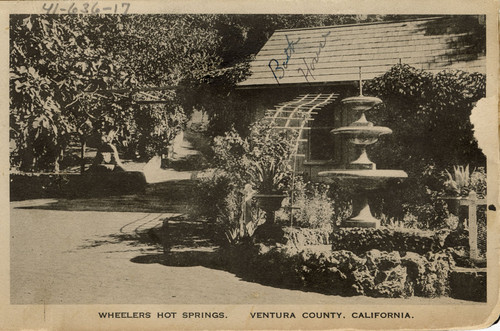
(85, 8)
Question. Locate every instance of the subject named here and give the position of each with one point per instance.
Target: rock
(390, 260)
(393, 285)
(372, 258)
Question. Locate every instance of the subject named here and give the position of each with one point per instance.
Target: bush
(38, 185)
(241, 158)
(237, 160)
(218, 200)
(214, 196)
(301, 237)
(416, 202)
(361, 240)
(313, 207)
(478, 182)
(423, 110)
(316, 206)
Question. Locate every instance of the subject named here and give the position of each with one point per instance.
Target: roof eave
(290, 85)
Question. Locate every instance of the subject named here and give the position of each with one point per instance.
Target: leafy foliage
(261, 159)
(461, 182)
(317, 206)
(71, 76)
(63, 67)
(361, 240)
(156, 126)
(314, 208)
(43, 51)
(302, 236)
(257, 162)
(427, 110)
(424, 110)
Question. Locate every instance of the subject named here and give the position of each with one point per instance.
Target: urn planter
(270, 203)
(453, 203)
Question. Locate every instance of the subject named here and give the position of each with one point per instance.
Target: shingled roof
(334, 54)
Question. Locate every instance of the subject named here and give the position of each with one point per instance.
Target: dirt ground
(103, 251)
(88, 257)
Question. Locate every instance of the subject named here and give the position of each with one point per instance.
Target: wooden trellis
(295, 115)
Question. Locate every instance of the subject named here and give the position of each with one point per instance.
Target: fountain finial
(360, 83)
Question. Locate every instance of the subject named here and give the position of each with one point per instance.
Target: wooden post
(472, 202)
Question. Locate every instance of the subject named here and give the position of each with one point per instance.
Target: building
(304, 73)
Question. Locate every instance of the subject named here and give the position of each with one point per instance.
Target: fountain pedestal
(363, 218)
(362, 174)
(363, 182)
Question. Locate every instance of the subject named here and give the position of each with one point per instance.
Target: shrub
(429, 115)
(301, 237)
(218, 200)
(312, 206)
(316, 206)
(478, 182)
(238, 162)
(264, 153)
(361, 240)
(210, 196)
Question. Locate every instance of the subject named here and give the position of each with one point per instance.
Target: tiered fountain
(362, 174)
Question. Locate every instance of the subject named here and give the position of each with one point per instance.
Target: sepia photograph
(313, 161)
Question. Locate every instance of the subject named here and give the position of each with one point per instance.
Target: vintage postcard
(249, 165)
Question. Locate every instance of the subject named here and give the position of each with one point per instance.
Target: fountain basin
(361, 102)
(361, 174)
(368, 174)
(363, 180)
(363, 131)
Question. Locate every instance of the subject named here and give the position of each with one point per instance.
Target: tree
(45, 58)
(75, 76)
(429, 115)
(62, 67)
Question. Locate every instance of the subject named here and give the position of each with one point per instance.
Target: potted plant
(270, 178)
(456, 186)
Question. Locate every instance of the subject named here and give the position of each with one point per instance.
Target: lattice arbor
(295, 115)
